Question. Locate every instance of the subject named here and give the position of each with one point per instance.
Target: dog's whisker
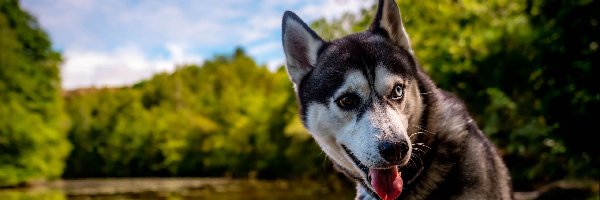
(415, 155)
(417, 168)
(420, 160)
(419, 150)
(421, 145)
(412, 162)
(423, 129)
(324, 159)
(417, 133)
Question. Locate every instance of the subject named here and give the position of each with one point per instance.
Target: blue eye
(398, 92)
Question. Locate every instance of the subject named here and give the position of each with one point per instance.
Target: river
(180, 189)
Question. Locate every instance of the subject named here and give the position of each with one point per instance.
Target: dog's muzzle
(385, 183)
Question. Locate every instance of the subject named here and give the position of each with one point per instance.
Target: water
(181, 189)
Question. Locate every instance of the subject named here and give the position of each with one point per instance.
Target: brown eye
(398, 92)
(348, 101)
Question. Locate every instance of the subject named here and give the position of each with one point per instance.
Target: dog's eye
(347, 101)
(398, 92)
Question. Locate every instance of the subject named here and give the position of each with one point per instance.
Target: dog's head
(359, 97)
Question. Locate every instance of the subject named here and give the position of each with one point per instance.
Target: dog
(381, 119)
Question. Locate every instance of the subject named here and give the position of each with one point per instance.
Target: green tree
(33, 142)
(228, 117)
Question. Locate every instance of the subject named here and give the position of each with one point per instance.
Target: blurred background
(104, 94)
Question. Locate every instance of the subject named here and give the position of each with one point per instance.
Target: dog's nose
(392, 151)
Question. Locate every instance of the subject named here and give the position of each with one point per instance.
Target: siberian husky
(381, 119)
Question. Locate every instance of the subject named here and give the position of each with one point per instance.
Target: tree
(228, 117)
(33, 142)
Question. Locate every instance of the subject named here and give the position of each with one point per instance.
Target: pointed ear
(388, 22)
(301, 46)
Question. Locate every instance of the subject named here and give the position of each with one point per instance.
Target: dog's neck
(441, 139)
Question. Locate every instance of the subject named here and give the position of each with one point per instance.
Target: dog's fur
(442, 154)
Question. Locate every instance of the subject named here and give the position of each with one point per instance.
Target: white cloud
(265, 48)
(330, 9)
(115, 42)
(275, 63)
(260, 27)
(123, 66)
(269, 48)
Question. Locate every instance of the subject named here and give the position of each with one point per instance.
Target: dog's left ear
(301, 46)
(388, 22)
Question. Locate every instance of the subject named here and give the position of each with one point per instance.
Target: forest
(524, 67)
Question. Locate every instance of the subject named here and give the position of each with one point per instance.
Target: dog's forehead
(361, 52)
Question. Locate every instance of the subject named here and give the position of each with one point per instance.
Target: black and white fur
(439, 150)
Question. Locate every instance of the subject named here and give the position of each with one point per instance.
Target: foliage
(228, 117)
(525, 68)
(33, 142)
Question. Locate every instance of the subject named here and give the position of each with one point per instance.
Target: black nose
(392, 151)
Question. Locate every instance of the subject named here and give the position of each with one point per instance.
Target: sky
(109, 43)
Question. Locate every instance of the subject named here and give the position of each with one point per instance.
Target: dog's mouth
(387, 182)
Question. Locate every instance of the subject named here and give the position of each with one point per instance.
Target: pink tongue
(387, 182)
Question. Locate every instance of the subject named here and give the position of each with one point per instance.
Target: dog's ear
(388, 22)
(301, 46)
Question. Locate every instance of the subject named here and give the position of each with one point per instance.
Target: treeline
(228, 117)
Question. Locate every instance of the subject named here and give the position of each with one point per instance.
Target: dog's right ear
(388, 22)
(301, 46)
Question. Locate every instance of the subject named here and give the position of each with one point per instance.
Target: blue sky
(119, 42)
